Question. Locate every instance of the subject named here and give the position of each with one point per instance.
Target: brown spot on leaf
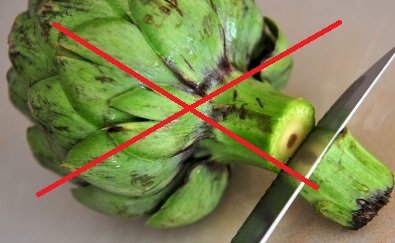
(104, 79)
(226, 110)
(189, 64)
(143, 180)
(115, 129)
(165, 10)
(214, 76)
(207, 25)
(259, 102)
(148, 19)
(174, 4)
(224, 66)
(62, 128)
(234, 95)
(242, 112)
(245, 10)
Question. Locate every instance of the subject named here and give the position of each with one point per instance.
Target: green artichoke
(82, 106)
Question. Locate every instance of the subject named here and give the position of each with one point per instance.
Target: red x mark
(186, 108)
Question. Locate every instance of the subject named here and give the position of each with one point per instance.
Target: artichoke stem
(274, 122)
(354, 185)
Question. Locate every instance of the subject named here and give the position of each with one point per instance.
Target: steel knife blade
(271, 208)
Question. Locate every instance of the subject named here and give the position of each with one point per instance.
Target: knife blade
(271, 208)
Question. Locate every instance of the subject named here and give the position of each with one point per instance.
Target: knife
(271, 208)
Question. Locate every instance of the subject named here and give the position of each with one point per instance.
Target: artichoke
(82, 106)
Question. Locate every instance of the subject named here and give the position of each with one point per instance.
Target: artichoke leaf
(17, 89)
(198, 197)
(73, 13)
(51, 107)
(42, 150)
(123, 173)
(187, 35)
(148, 104)
(243, 24)
(124, 42)
(30, 56)
(124, 206)
(45, 155)
(278, 73)
(117, 205)
(163, 143)
(90, 87)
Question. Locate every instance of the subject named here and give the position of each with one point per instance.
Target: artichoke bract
(82, 106)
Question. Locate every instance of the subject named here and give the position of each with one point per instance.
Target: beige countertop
(322, 71)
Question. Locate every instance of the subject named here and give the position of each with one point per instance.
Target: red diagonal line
(187, 108)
